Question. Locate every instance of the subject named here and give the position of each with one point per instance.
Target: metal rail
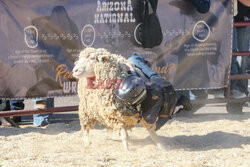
(37, 111)
(239, 76)
(220, 100)
(235, 54)
(242, 24)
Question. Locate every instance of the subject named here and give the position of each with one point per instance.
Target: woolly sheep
(96, 104)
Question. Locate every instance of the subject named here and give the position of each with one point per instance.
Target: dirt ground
(209, 137)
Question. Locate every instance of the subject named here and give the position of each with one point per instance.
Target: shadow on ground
(214, 140)
(206, 117)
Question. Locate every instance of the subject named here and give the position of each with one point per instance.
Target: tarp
(40, 40)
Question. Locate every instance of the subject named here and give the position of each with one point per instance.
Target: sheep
(96, 100)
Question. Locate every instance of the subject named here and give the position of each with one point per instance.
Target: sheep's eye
(76, 62)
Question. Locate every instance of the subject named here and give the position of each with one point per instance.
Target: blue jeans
(234, 64)
(16, 105)
(241, 43)
(43, 119)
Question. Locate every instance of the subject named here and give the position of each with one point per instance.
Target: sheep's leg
(124, 137)
(154, 137)
(126, 134)
(86, 137)
(85, 132)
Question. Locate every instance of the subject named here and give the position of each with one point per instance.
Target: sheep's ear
(101, 58)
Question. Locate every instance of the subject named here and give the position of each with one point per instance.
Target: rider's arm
(139, 61)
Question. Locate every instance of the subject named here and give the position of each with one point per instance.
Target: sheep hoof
(124, 137)
(125, 146)
(126, 149)
(86, 142)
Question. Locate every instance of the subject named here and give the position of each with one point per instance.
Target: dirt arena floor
(208, 138)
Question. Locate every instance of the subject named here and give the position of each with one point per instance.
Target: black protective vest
(160, 100)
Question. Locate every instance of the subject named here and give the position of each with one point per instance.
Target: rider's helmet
(131, 92)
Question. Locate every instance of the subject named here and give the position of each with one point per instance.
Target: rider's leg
(139, 61)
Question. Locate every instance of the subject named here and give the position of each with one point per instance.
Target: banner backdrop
(40, 40)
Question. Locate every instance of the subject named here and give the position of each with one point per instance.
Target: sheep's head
(84, 66)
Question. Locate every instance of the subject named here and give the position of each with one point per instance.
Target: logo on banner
(31, 36)
(201, 31)
(88, 35)
(138, 33)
